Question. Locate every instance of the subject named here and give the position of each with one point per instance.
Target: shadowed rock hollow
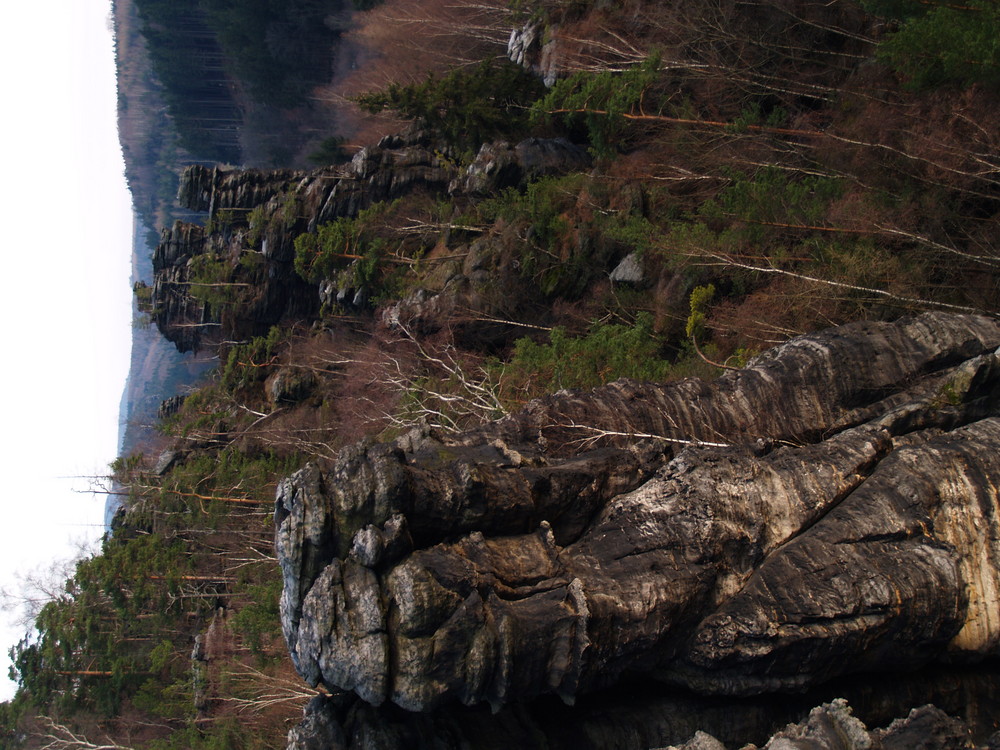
(648, 716)
(830, 509)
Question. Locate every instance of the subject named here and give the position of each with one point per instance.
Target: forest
(203, 51)
(753, 171)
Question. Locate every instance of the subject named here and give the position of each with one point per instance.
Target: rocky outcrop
(210, 189)
(257, 214)
(236, 294)
(399, 164)
(830, 509)
(500, 165)
(178, 315)
(534, 47)
(471, 297)
(629, 271)
(832, 726)
(289, 385)
(285, 203)
(480, 284)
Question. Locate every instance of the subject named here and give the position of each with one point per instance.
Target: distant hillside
(199, 82)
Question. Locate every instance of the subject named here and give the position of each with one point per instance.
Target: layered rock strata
(257, 214)
(830, 509)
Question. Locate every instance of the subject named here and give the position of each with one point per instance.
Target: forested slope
(586, 191)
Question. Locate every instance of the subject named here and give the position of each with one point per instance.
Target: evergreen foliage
(553, 256)
(250, 363)
(607, 352)
(942, 43)
(701, 298)
(755, 207)
(119, 636)
(597, 103)
(356, 251)
(330, 151)
(93, 646)
(259, 622)
(466, 107)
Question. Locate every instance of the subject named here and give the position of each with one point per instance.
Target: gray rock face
(500, 165)
(830, 509)
(527, 47)
(832, 726)
(926, 727)
(289, 386)
(629, 271)
(287, 203)
(700, 741)
(319, 730)
(170, 406)
(828, 727)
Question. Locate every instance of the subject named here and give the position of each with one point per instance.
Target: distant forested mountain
(207, 81)
(211, 55)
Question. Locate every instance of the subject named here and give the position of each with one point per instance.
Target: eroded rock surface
(830, 509)
(257, 214)
(832, 726)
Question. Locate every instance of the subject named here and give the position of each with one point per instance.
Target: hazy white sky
(64, 287)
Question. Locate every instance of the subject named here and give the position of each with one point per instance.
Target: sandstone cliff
(828, 510)
(255, 216)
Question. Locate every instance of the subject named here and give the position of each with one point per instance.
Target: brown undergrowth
(404, 41)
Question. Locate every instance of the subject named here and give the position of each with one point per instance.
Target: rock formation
(257, 214)
(528, 47)
(832, 726)
(828, 510)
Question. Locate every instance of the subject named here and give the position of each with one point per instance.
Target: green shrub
(259, 621)
(770, 199)
(468, 106)
(338, 244)
(210, 280)
(609, 351)
(598, 104)
(249, 363)
(942, 43)
(556, 256)
(701, 297)
(330, 151)
(226, 733)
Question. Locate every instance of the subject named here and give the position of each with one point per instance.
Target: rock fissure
(880, 445)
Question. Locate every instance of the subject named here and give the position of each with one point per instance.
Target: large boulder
(830, 509)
